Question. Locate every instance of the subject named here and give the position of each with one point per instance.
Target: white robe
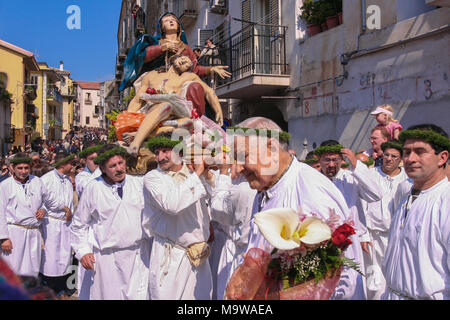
(359, 187)
(231, 208)
(176, 216)
(306, 188)
(18, 206)
(417, 259)
(378, 220)
(120, 248)
(83, 285)
(57, 253)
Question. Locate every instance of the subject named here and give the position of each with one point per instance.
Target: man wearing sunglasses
(359, 188)
(379, 215)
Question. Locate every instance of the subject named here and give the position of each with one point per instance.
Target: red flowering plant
(306, 261)
(154, 91)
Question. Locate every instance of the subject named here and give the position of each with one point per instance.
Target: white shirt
(60, 187)
(175, 207)
(379, 214)
(83, 178)
(231, 206)
(20, 202)
(417, 260)
(300, 187)
(116, 222)
(358, 186)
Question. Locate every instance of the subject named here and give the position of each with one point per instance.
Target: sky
(40, 26)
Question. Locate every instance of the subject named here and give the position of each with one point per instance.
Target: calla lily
(282, 229)
(312, 231)
(278, 226)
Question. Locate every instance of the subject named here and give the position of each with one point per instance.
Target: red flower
(151, 91)
(341, 234)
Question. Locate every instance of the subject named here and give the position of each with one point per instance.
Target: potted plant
(311, 14)
(328, 10)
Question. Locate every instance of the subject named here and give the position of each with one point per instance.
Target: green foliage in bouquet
(313, 263)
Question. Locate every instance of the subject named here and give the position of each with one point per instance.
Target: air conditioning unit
(218, 6)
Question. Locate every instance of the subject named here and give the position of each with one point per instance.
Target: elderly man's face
(256, 161)
(330, 163)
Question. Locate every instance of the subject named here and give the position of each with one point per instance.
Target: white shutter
(204, 35)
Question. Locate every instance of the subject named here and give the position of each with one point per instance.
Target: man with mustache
(22, 197)
(358, 187)
(261, 151)
(379, 215)
(112, 205)
(57, 253)
(177, 216)
(416, 264)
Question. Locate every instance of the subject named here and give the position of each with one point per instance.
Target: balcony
(187, 11)
(30, 92)
(54, 96)
(256, 57)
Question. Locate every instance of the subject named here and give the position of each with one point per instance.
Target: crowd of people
(180, 231)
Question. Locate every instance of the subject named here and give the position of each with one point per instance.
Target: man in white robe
(417, 260)
(284, 182)
(231, 209)
(57, 252)
(111, 205)
(177, 217)
(90, 172)
(379, 215)
(21, 211)
(359, 187)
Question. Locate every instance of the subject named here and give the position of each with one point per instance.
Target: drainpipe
(363, 12)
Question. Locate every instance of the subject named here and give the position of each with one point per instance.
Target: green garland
(283, 135)
(425, 135)
(63, 161)
(105, 156)
(310, 160)
(345, 165)
(328, 149)
(161, 142)
(20, 160)
(88, 151)
(369, 162)
(392, 145)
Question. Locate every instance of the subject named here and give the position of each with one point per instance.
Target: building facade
(88, 111)
(323, 86)
(16, 67)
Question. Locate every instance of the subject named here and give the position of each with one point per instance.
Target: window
(3, 80)
(87, 120)
(204, 34)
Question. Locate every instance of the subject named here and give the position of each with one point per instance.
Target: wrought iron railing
(255, 49)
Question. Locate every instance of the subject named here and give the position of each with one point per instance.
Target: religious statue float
(170, 94)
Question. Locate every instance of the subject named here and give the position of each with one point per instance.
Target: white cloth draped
(57, 253)
(359, 187)
(18, 205)
(120, 249)
(231, 208)
(378, 220)
(84, 284)
(417, 259)
(176, 215)
(306, 188)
